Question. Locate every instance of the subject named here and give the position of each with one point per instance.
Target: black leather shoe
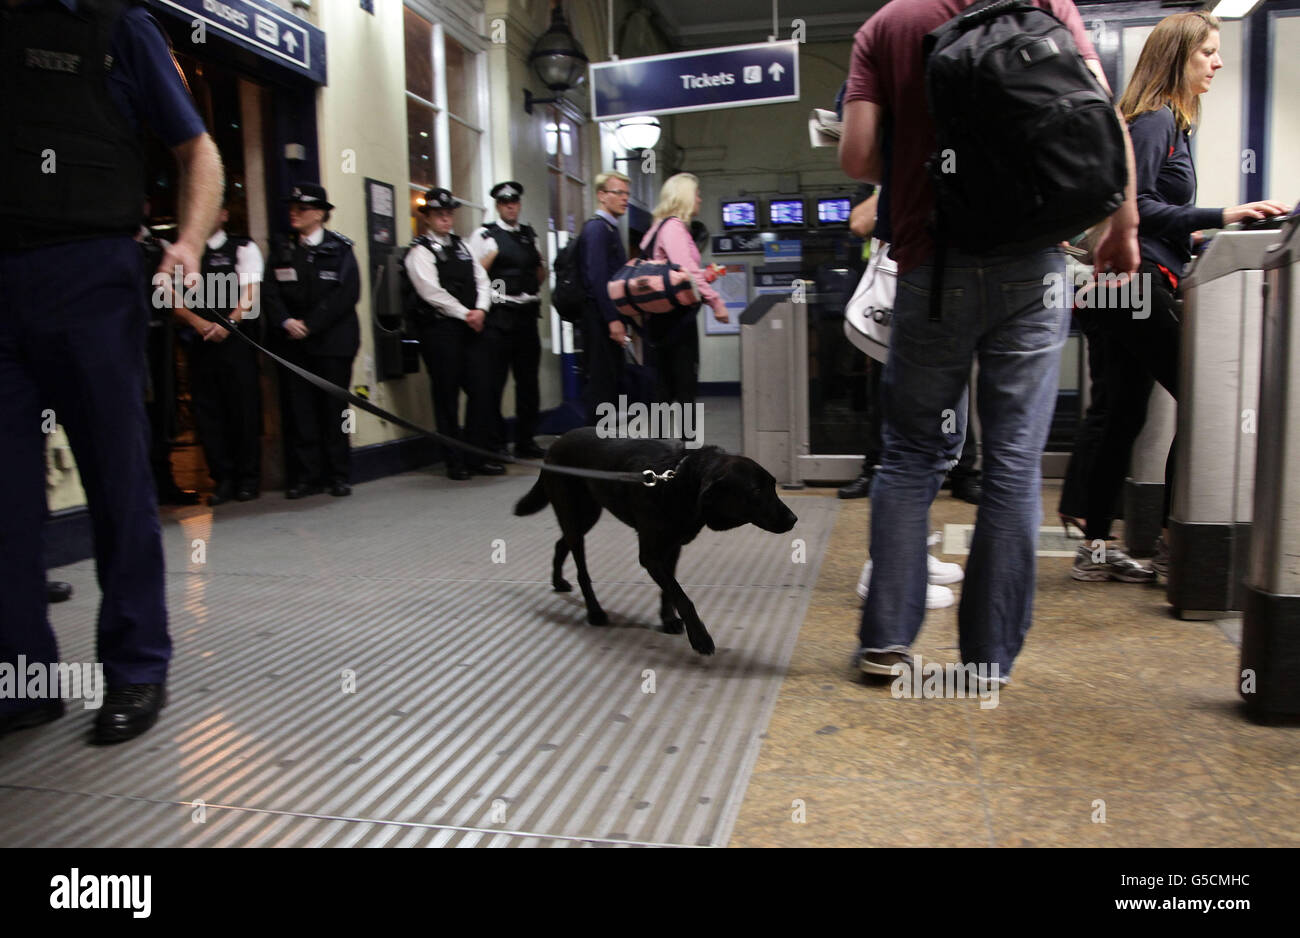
(968, 489)
(529, 450)
(302, 491)
(175, 495)
(490, 469)
(33, 716)
(128, 711)
(340, 489)
(224, 493)
(56, 591)
(457, 473)
(858, 488)
(246, 495)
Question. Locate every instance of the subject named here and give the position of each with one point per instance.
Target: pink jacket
(676, 246)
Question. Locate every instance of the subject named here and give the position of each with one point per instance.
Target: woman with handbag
(674, 337)
(1162, 106)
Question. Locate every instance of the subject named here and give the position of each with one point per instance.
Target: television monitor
(834, 211)
(785, 213)
(739, 215)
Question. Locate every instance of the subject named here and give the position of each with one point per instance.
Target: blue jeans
(1002, 310)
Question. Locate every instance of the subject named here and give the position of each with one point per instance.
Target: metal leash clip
(654, 478)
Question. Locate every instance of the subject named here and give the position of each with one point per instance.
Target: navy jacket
(1166, 190)
(602, 255)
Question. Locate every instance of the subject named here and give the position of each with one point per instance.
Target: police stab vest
(517, 258)
(455, 268)
(221, 286)
(71, 165)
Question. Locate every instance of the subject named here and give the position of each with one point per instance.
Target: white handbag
(869, 315)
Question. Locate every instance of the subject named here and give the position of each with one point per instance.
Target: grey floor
(394, 669)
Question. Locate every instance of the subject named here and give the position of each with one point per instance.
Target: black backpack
(1030, 150)
(569, 296)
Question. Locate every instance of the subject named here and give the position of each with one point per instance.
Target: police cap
(309, 194)
(507, 191)
(439, 198)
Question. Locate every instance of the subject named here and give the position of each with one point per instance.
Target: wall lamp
(558, 60)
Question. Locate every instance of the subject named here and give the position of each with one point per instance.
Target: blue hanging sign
(261, 27)
(735, 76)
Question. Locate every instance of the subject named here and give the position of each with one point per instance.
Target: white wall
(1283, 181)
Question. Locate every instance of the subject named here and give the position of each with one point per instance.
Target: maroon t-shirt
(887, 68)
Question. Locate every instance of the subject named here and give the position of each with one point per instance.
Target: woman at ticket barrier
(1140, 344)
(674, 338)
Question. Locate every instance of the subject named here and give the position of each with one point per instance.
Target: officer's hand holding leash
(474, 319)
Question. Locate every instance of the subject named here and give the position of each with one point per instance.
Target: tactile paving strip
(361, 672)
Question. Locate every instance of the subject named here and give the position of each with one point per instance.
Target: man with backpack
(601, 254)
(1024, 173)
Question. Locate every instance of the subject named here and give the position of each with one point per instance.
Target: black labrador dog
(711, 487)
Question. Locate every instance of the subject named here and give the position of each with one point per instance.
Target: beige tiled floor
(1122, 727)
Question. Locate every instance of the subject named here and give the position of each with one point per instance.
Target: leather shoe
(529, 450)
(858, 488)
(224, 493)
(56, 591)
(33, 716)
(457, 473)
(175, 495)
(302, 491)
(246, 495)
(490, 469)
(968, 489)
(339, 489)
(128, 711)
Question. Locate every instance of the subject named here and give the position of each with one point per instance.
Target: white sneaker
(944, 573)
(936, 597)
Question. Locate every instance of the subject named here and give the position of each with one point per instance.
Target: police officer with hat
(510, 254)
(77, 78)
(309, 296)
(452, 294)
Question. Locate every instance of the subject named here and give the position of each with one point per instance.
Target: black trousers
(227, 396)
(457, 359)
(677, 366)
(316, 446)
(160, 400)
(514, 345)
(1074, 490)
(1135, 352)
(602, 361)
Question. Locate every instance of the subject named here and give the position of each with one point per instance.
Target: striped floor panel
(393, 669)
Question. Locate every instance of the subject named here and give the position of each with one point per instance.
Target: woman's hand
(1252, 211)
(720, 313)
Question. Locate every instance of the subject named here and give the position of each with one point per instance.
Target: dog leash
(646, 477)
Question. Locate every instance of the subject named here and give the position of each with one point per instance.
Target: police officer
(76, 79)
(509, 252)
(452, 296)
(160, 383)
(310, 297)
(224, 383)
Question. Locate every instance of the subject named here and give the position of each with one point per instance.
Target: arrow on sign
(776, 70)
(291, 41)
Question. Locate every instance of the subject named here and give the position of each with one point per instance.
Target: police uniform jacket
(516, 262)
(447, 279)
(318, 282)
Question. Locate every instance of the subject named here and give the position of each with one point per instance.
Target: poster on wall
(733, 287)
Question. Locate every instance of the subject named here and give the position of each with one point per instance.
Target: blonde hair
(604, 178)
(677, 198)
(1161, 74)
